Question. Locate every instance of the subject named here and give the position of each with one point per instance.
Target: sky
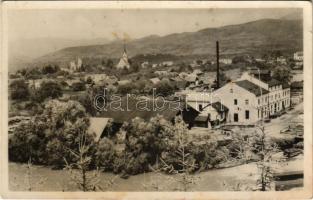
(112, 24)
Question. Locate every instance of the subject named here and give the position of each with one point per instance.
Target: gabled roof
(251, 87)
(97, 126)
(191, 78)
(155, 80)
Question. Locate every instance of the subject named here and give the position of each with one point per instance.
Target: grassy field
(45, 179)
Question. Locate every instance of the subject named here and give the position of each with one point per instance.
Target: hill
(255, 37)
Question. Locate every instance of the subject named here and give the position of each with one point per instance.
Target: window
(200, 107)
(247, 114)
(247, 101)
(259, 101)
(235, 102)
(231, 90)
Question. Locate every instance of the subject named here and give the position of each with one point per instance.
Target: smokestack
(217, 66)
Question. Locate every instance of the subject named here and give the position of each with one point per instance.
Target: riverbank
(46, 179)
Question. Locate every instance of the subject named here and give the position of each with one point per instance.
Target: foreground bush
(50, 137)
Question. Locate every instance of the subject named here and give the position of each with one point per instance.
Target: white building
(279, 94)
(75, 65)
(298, 56)
(226, 61)
(168, 63)
(246, 101)
(209, 113)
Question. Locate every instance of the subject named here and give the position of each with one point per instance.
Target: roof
(97, 126)
(297, 84)
(219, 107)
(251, 87)
(191, 78)
(262, 71)
(155, 80)
(201, 118)
(273, 82)
(123, 82)
(142, 108)
(285, 85)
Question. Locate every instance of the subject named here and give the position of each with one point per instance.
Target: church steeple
(123, 63)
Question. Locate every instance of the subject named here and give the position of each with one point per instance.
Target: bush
(19, 90)
(105, 154)
(48, 89)
(284, 143)
(78, 86)
(52, 136)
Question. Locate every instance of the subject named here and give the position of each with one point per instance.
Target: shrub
(105, 154)
(48, 89)
(78, 86)
(19, 90)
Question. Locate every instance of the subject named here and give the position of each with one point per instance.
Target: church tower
(123, 63)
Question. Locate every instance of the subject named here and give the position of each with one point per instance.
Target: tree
(145, 141)
(164, 88)
(48, 89)
(50, 69)
(265, 150)
(109, 64)
(184, 159)
(282, 74)
(19, 90)
(85, 181)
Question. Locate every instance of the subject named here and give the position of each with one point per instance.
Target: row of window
(236, 102)
(276, 87)
(236, 116)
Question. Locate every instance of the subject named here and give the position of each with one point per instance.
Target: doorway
(236, 118)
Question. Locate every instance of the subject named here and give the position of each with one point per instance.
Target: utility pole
(217, 66)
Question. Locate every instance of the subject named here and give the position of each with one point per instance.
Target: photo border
(307, 74)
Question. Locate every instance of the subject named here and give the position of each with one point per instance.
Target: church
(123, 63)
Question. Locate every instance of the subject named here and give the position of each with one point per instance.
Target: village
(225, 98)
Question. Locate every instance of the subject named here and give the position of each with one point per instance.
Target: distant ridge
(253, 37)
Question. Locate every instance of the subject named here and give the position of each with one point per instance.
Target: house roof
(123, 82)
(201, 118)
(297, 84)
(251, 87)
(191, 78)
(219, 107)
(134, 108)
(273, 82)
(262, 71)
(97, 126)
(285, 85)
(155, 80)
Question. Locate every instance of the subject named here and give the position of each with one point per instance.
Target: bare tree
(85, 181)
(186, 163)
(266, 150)
(29, 176)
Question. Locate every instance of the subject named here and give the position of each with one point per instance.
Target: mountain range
(256, 38)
